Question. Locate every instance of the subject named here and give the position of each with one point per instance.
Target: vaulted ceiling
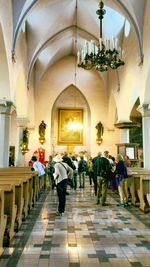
(58, 28)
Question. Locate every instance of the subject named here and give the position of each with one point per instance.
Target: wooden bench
(144, 191)
(19, 189)
(19, 200)
(10, 209)
(33, 185)
(26, 179)
(25, 170)
(3, 220)
(140, 185)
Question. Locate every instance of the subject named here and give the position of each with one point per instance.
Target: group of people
(103, 171)
(109, 172)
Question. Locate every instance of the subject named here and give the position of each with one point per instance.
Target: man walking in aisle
(102, 167)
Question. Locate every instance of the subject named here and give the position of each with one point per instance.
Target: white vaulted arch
(4, 73)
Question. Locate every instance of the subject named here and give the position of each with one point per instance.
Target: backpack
(104, 166)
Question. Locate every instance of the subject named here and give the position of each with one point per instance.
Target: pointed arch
(70, 97)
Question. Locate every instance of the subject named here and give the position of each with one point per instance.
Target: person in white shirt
(61, 174)
(40, 169)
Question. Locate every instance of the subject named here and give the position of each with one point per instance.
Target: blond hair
(120, 157)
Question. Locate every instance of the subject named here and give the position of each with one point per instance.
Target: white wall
(90, 84)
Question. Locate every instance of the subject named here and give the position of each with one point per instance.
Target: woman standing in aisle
(121, 175)
(61, 174)
(90, 170)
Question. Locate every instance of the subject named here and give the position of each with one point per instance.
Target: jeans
(82, 176)
(101, 190)
(123, 191)
(74, 179)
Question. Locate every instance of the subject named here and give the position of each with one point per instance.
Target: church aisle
(86, 235)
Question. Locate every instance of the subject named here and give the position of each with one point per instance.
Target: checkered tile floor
(86, 235)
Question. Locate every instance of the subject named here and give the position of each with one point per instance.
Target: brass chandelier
(103, 55)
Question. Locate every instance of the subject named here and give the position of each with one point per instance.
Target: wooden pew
(33, 184)
(10, 209)
(140, 184)
(33, 180)
(19, 200)
(26, 169)
(27, 188)
(20, 187)
(3, 221)
(144, 190)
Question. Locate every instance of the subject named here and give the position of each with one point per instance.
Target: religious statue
(100, 130)
(42, 128)
(25, 138)
(24, 141)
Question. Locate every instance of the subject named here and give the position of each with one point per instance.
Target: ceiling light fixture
(103, 55)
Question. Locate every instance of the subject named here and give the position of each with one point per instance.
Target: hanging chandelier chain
(76, 41)
(101, 12)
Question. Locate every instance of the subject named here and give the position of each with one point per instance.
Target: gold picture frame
(70, 126)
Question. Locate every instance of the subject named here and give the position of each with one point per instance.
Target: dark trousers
(61, 192)
(91, 177)
(95, 183)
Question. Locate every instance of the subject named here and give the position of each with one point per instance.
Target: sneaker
(105, 204)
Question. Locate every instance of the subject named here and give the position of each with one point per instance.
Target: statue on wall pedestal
(42, 128)
(100, 132)
(24, 141)
(25, 137)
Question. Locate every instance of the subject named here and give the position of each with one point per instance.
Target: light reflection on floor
(86, 235)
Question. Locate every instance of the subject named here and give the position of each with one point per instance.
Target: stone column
(6, 108)
(124, 135)
(145, 111)
(20, 158)
(124, 130)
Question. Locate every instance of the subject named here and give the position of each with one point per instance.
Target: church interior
(74, 79)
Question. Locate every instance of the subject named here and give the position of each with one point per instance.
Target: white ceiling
(52, 26)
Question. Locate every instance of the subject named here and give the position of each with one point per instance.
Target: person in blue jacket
(121, 181)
